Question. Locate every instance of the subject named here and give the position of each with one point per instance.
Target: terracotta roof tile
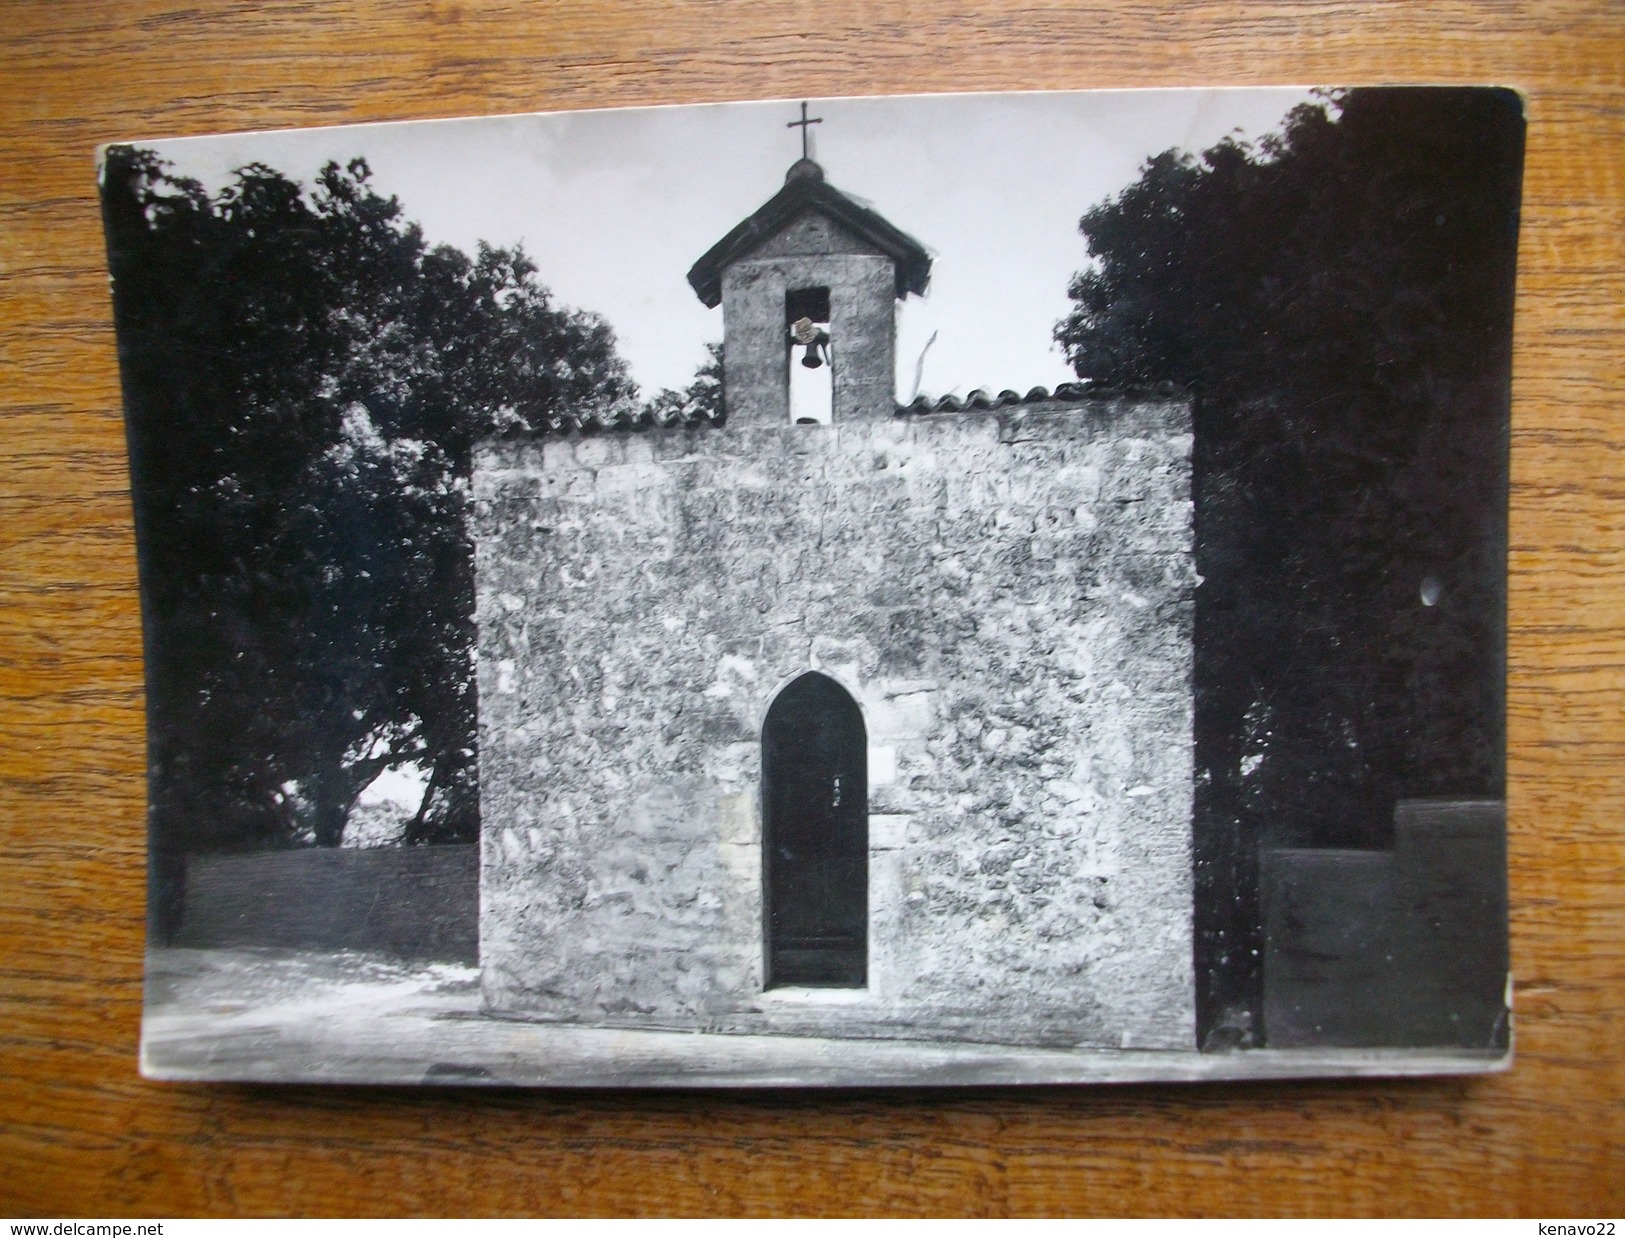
(623, 419)
(1066, 393)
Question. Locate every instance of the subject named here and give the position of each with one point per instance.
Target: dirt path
(285, 1017)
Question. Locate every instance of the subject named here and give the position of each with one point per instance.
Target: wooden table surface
(81, 1133)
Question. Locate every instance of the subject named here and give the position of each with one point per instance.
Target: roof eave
(912, 260)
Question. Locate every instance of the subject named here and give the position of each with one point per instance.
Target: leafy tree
(1338, 299)
(304, 381)
(701, 399)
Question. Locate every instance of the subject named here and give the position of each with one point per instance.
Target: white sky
(400, 788)
(615, 206)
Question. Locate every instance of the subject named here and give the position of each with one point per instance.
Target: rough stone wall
(1007, 595)
(812, 252)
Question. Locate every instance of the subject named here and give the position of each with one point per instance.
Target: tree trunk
(333, 791)
(437, 777)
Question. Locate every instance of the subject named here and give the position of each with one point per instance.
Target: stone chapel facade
(875, 728)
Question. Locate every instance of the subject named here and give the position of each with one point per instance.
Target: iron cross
(802, 125)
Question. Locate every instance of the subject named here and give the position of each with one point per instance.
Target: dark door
(815, 804)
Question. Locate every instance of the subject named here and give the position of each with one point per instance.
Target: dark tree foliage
(1338, 299)
(304, 380)
(701, 399)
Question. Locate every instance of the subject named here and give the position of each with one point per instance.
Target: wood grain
(80, 1133)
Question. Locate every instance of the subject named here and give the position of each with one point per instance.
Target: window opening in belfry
(815, 832)
(811, 363)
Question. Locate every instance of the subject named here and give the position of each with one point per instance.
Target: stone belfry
(810, 255)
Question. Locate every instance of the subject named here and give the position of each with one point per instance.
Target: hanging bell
(806, 331)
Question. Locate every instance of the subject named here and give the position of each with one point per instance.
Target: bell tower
(811, 279)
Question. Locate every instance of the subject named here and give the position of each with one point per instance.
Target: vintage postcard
(942, 590)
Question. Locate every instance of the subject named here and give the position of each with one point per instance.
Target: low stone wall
(1406, 947)
(411, 902)
(1006, 595)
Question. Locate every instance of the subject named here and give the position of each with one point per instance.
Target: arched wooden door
(815, 802)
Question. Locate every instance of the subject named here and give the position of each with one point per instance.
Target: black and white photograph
(926, 590)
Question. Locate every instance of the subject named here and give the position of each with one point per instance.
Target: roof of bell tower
(804, 169)
(806, 189)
